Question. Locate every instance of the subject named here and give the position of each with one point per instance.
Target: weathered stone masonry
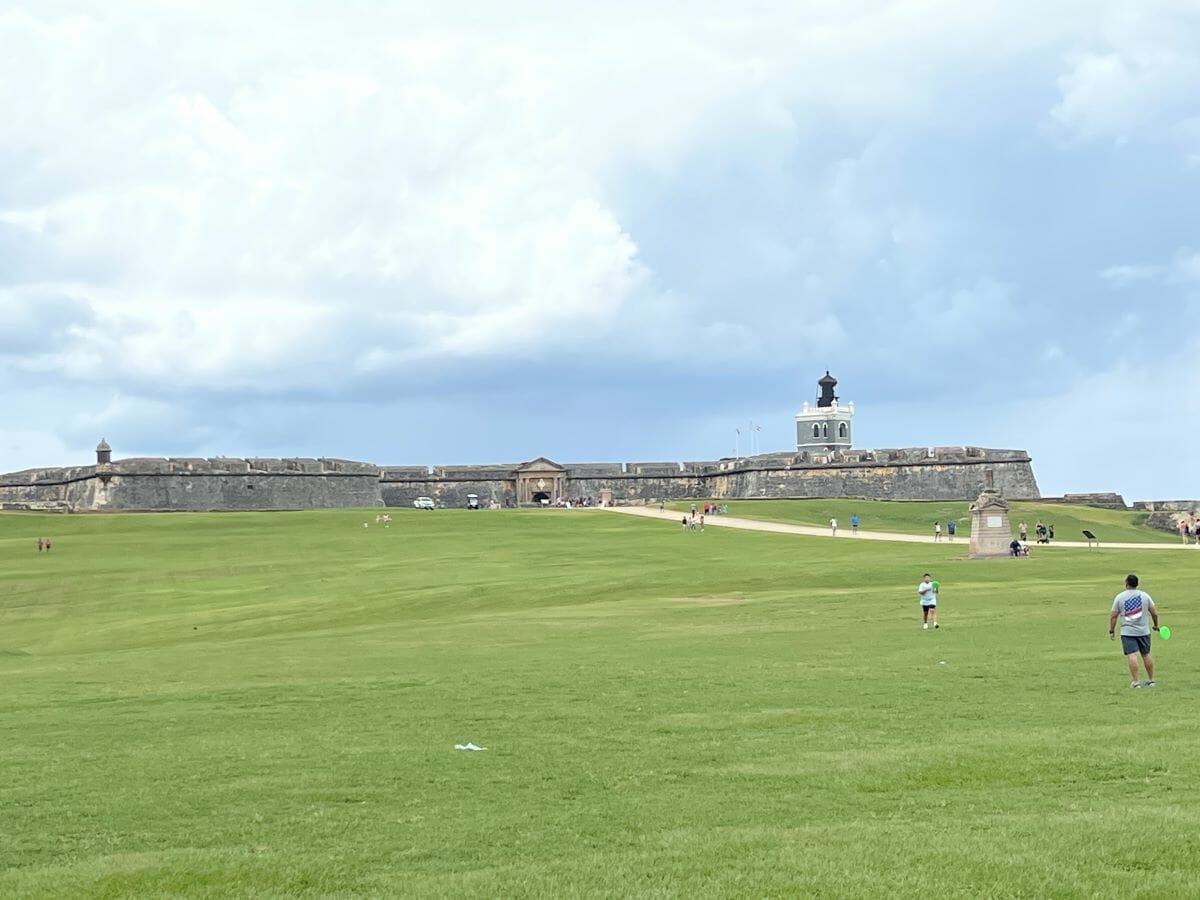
(194, 484)
(939, 473)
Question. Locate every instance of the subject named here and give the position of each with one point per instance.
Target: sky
(414, 233)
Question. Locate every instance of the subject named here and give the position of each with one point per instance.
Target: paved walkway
(964, 540)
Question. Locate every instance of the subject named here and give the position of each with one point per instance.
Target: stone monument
(990, 532)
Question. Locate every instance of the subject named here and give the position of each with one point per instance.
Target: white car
(424, 503)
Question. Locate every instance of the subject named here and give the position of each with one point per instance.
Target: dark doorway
(540, 497)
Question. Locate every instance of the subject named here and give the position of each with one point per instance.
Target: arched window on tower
(816, 430)
(842, 430)
(825, 430)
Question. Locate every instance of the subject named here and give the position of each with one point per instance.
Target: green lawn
(266, 705)
(917, 517)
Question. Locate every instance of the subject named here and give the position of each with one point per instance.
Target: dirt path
(863, 535)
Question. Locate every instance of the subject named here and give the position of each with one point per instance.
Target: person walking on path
(854, 524)
(928, 595)
(833, 526)
(1023, 531)
(951, 527)
(937, 531)
(1136, 610)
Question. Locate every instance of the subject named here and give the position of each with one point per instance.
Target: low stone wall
(1165, 515)
(1100, 499)
(1181, 506)
(1103, 500)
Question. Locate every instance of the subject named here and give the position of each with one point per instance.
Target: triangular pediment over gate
(541, 464)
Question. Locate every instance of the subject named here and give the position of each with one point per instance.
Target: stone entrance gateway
(540, 479)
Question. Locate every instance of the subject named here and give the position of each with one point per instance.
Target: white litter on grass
(941, 662)
(468, 746)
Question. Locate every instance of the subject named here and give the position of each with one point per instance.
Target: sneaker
(1149, 683)
(926, 626)
(1135, 684)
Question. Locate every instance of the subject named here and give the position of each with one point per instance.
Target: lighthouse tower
(825, 426)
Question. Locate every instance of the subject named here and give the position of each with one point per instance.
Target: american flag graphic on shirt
(1133, 607)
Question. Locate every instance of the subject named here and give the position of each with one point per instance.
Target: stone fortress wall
(227, 483)
(195, 484)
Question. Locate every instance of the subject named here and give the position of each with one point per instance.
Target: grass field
(267, 704)
(917, 517)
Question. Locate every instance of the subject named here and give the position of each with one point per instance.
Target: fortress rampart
(194, 484)
(228, 483)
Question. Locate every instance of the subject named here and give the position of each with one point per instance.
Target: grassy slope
(917, 517)
(266, 703)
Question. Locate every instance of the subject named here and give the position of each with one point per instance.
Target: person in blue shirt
(854, 523)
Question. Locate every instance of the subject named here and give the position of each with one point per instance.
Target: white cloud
(1141, 81)
(1183, 269)
(1125, 275)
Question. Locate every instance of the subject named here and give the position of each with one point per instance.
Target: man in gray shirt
(1136, 610)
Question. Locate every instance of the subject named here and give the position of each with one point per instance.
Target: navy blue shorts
(1135, 644)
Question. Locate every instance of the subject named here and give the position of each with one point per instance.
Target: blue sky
(602, 233)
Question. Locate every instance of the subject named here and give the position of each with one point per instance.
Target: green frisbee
(1164, 633)
(934, 585)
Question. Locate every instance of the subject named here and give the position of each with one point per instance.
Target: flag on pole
(738, 430)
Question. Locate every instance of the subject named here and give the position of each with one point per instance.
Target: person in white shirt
(928, 595)
(833, 526)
